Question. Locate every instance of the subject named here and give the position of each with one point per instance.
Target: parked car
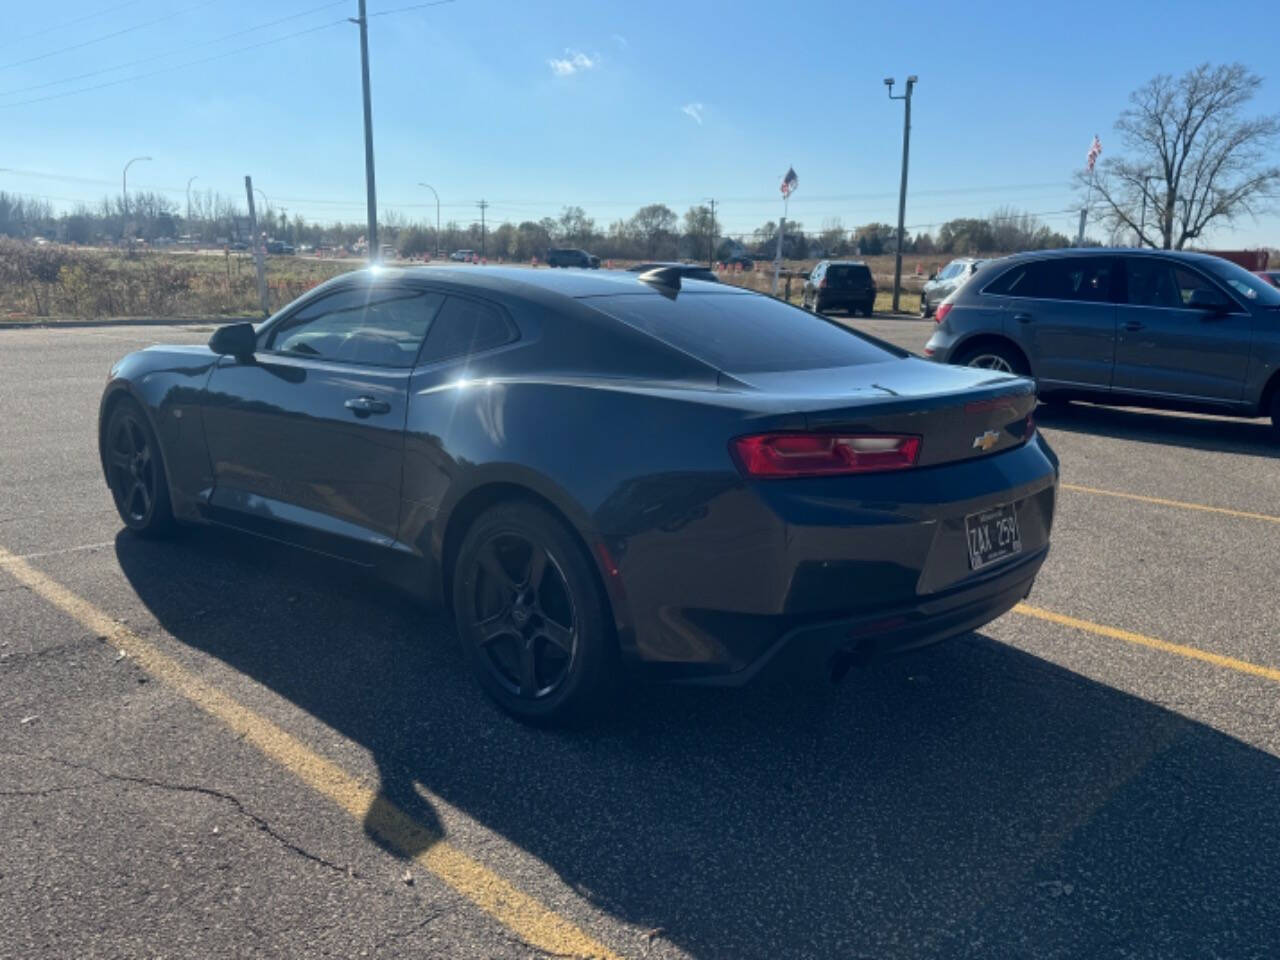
(280, 247)
(463, 256)
(945, 282)
(759, 484)
(1271, 276)
(572, 257)
(688, 271)
(1142, 327)
(742, 260)
(840, 285)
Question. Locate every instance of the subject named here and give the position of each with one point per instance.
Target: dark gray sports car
(599, 471)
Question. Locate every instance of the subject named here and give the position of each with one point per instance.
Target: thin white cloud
(620, 40)
(573, 61)
(693, 110)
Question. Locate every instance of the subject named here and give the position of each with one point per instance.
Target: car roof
(526, 281)
(654, 264)
(1193, 256)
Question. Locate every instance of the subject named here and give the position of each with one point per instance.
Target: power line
(170, 69)
(108, 36)
(170, 53)
(416, 6)
(70, 23)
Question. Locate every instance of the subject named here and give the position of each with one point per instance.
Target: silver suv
(1141, 327)
(946, 282)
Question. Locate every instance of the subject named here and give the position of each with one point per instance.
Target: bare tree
(1193, 159)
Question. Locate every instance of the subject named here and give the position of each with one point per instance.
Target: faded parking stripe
(534, 923)
(1142, 640)
(1181, 504)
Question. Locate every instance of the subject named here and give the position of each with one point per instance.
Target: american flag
(790, 182)
(1095, 151)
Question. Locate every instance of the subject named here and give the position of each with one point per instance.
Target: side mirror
(1207, 300)
(234, 340)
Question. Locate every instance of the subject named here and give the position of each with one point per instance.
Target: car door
(1061, 312)
(306, 438)
(466, 339)
(1167, 347)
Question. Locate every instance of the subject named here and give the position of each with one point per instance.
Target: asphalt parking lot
(213, 746)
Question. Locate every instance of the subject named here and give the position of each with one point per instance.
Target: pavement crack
(261, 823)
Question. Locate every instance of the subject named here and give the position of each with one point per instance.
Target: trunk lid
(959, 412)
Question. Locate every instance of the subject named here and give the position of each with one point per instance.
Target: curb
(47, 324)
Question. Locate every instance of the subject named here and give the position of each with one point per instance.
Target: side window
(1011, 283)
(1071, 278)
(1155, 283)
(464, 327)
(1188, 282)
(375, 326)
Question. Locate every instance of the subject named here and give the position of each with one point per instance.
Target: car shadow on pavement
(970, 800)
(1216, 434)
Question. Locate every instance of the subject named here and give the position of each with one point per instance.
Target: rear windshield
(741, 333)
(847, 274)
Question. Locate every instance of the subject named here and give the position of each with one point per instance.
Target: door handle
(363, 406)
(1023, 317)
(1132, 325)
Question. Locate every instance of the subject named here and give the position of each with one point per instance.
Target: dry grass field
(63, 283)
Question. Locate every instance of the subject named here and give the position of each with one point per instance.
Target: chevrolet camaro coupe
(599, 473)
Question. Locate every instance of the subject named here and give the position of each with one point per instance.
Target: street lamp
(437, 196)
(124, 185)
(902, 190)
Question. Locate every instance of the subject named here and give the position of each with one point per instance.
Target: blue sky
(536, 105)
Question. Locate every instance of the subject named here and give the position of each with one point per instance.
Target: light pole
(437, 196)
(124, 190)
(189, 182)
(902, 190)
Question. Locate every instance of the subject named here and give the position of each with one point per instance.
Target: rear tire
(135, 472)
(532, 617)
(996, 357)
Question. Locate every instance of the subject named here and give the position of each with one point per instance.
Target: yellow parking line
(1142, 640)
(1161, 501)
(534, 923)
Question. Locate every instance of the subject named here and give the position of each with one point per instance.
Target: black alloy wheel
(135, 472)
(530, 614)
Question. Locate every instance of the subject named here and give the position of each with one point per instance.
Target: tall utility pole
(902, 190)
(257, 247)
(437, 196)
(483, 205)
(372, 231)
(711, 247)
(189, 181)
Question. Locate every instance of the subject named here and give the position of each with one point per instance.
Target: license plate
(993, 535)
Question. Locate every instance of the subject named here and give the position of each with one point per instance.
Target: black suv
(840, 285)
(571, 257)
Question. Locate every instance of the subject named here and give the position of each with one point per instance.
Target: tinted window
(1062, 278)
(464, 327)
(377, 326)
(1162, 283)
(743, 334)
(1237, 277)
(847, 275)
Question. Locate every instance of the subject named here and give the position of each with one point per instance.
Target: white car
(463, 256)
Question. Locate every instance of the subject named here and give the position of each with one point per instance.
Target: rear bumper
(812, 648)
(795, 571)
(841, 300)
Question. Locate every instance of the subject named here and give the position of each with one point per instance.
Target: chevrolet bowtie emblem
(986, 441)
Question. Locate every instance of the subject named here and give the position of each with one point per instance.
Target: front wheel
(135, 472)
(925, 310)
(532, 617)
(1275, 417)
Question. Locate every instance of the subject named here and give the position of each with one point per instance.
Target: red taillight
(822, 454)
(941, 313)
